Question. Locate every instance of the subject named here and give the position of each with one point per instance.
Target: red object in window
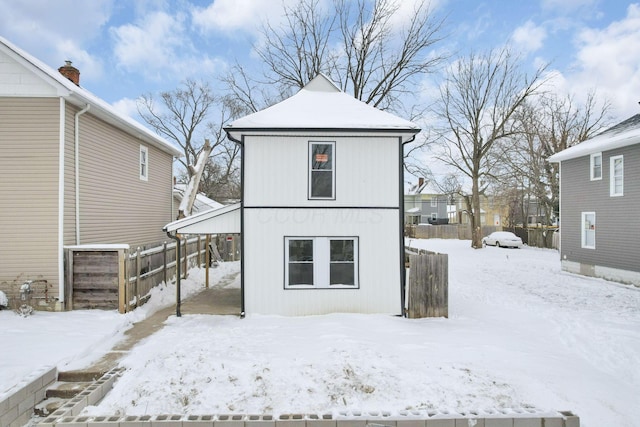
(322, 158)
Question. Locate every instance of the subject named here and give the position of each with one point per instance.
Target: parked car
(503, 238)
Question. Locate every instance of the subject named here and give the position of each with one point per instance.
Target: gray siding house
(599, 201)
(73, 171)
(424, 204)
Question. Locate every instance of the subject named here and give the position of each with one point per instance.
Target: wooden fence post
(139, 270)
(207, 260)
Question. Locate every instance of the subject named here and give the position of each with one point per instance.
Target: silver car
(503, 238)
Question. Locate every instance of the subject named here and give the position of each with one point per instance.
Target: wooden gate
(428, 294)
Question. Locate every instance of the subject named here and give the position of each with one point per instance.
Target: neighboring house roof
(621, 135)
(320, 104)
(202, 202)
(425, 188)
(80, 97)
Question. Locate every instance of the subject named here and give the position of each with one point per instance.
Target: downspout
(61, 284)
(242, 241)
(77, 167)
(403, 270)
(178, 272)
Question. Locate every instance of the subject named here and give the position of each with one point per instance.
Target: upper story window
(434, 202)
(321, 262)
(144, 163)
(596, 166)
(616, 176)
(322, 170)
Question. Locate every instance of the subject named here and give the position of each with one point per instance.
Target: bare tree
(365, 47)
(549, 125)
(477, 103)
(185, 116)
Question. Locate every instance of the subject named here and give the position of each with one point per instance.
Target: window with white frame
(322, 170)
(595, 166)
(144, 163)
(616, 176)
(434, 202)
(589, 230)
(434, 216)
(321, 262)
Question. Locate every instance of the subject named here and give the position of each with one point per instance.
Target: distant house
(425, 204)
(599, 201)
(322, 205)
(73, 171)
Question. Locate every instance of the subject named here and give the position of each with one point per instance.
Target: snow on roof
(623, 134)
(321, 105)
(79, 96)
(202, 202)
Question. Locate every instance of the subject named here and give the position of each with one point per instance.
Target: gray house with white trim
(321, 216)
(599, 204)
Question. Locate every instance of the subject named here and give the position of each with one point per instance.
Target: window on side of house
(321, 262)
(434, 202)
(595, 166)
(322, 170)
(616, 176)
(589, 230)
(144, 163)
(434, 216)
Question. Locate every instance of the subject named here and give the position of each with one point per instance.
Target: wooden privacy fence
(448, 231)
(428, 286)
(111, 277)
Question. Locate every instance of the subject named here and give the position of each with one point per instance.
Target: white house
(321, 215)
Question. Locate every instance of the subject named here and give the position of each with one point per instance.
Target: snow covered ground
(521, 334)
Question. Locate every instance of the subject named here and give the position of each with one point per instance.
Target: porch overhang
(225, 220)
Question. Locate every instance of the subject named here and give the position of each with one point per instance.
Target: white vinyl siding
(589, 230)
(144, 163)
(378, 265)
(321, 262)
(616, 179)
(595, 166)
(363, 175)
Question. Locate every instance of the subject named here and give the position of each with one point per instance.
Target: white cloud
(529, 37)
(607, 60)
(225, 16)
(52, 32)
(127, 106)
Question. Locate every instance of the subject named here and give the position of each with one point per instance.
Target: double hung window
(616, 176)
(144, 163)
(322, 170)
(321, 262)
(589, 230)
(595, 166)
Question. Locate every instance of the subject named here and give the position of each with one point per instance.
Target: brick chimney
(70, 72)
(420, 182)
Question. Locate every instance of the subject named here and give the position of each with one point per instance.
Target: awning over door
(225, 220)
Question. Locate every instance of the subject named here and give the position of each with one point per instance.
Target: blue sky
(126, 48)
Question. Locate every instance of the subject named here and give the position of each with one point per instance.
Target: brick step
(66, 390)
(80, 376)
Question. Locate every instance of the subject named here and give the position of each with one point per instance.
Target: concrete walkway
(216, 300)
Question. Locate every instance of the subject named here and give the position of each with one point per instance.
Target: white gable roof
(321, 105)
(80, 97)
(621, 135)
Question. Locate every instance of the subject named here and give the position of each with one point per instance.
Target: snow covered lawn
(521, 333)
